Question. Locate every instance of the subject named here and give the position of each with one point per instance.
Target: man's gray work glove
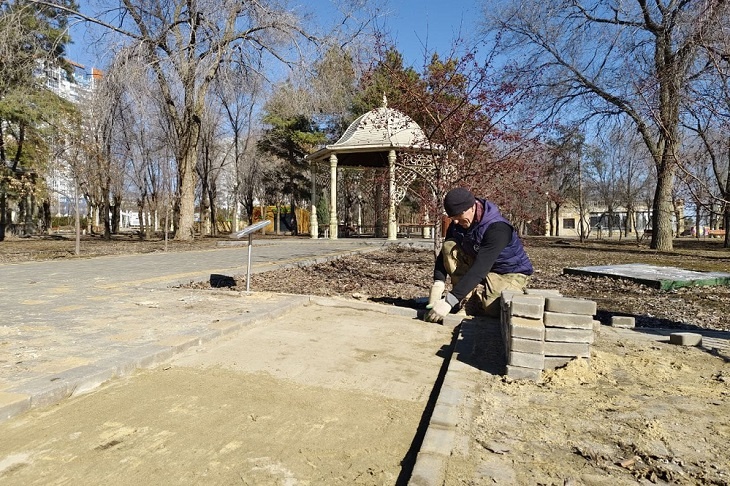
(440, 309)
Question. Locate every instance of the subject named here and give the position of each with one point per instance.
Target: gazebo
(374, 140)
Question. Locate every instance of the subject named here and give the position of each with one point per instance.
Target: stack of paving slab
(542, 330)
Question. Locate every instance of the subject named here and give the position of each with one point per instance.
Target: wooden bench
(716, 233)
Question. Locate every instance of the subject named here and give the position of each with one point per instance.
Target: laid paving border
(444, 437)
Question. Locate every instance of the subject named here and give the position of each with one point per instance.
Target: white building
(75, 88)
(596, 219)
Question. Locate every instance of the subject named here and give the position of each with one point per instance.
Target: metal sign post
(249, 230)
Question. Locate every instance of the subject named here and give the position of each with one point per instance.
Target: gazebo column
(333, 197)
(392, 224)
(313, 223)
(380, 229)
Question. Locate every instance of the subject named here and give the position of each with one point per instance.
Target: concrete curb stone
(567, 305)
(685, 338)
(627, 322)
(444, 436)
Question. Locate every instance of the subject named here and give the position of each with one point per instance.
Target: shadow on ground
(483, 347)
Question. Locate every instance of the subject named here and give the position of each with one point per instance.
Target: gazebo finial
(385, 101)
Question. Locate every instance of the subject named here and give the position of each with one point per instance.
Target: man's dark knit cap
(458, 200)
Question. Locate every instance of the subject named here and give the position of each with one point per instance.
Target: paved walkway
(69, 325)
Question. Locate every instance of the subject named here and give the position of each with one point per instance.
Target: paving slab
(658, 277)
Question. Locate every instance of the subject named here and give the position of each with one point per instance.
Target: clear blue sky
(414, 25)
(430, 24)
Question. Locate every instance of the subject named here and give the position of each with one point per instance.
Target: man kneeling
(481, 246)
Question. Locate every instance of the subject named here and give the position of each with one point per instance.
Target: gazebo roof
(367, 140)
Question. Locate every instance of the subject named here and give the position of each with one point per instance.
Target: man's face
(466, 218)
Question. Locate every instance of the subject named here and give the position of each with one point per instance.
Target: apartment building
(75, 88)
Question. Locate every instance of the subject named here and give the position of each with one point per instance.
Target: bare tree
(707, 177)
(709, 121)
(183, 45)
(630, 165)
(560, 169)
(106, 117)
(602, 58)
(696, 183)
(613, 181)
(211, 162)
(240, 92)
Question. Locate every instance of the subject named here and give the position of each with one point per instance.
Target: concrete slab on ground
(663, 278)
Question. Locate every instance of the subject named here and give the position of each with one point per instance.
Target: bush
(66, 221)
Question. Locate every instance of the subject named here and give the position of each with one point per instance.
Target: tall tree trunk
(725, 192)
(294, 230)
(3, 213)
(116, 213)
(212, 209)
(726, 224)
(581, 232)
(90, 229)
(663, 208)
(3, 197)
(46, 218)
(186, 197)
(204, 206)
(106, 218)
(77, 222)
(698, 215)
(550, 214)
(143, 232)
(249, 207)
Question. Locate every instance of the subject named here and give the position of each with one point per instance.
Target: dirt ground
(397, 276)
(642, 411)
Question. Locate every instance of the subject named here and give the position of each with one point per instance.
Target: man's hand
(437, 312)
(437, 290)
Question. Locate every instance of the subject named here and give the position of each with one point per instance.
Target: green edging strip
(662, 278)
